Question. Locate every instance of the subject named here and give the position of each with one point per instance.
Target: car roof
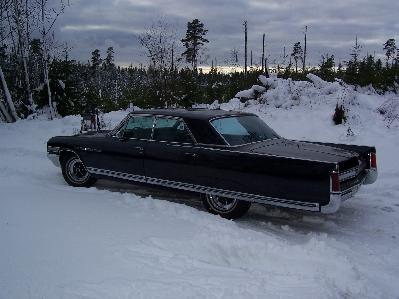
(202, 114)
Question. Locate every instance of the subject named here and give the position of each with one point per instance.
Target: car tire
(228, 208)
(75, 172)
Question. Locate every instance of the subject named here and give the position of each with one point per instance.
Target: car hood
(299, 150)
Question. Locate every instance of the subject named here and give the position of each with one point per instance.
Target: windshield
(238, 130)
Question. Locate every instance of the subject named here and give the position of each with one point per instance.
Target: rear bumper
(371, 176)
(337, 198)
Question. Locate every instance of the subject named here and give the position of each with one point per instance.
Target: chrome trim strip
(309, 206)
(117, 174)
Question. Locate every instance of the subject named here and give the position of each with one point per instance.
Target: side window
(139, 127)
(171, 129)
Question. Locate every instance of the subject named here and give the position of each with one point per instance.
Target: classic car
(231, 158)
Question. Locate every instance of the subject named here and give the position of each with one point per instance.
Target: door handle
(140, 149)
(193, 155)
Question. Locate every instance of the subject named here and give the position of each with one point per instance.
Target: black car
(231, 158)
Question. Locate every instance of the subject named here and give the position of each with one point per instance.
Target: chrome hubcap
(77, 171)
(220, 203)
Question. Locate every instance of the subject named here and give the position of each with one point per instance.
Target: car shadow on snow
(259, 217)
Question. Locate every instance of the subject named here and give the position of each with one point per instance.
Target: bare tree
(19, 14)
(9, 111)
(7, 108)
(232, 59)
(160, 41)
(48, 17)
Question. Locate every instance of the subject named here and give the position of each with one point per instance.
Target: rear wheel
(229, 208)
(75, 173)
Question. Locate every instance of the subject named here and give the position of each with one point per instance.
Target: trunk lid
(303, 151)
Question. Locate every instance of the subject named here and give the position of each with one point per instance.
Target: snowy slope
(115, 241)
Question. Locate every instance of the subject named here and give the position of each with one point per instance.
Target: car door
(121, 155)
(171, 156)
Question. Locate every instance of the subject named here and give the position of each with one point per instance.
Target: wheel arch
(66, 153)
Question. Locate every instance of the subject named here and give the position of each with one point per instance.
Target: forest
(37, 79)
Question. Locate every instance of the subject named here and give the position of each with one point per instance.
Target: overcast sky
(332, 25)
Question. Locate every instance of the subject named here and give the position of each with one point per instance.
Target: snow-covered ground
(117, 241)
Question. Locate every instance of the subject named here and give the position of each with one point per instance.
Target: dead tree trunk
(45, 60)
(263, 52)
(304, 51)
(9, 112)
(23, 51)
(245, 48)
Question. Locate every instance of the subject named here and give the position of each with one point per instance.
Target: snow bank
(317, 94)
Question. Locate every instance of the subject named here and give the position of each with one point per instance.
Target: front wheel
(229, 208)
(75, 173)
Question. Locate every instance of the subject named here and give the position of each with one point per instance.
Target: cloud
(332, 25)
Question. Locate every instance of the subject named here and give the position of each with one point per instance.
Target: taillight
(335, 186)
(373, 160)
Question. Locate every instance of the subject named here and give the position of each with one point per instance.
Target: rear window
(238, 130)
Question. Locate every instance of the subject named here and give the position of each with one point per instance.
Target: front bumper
(55, 158)
(53, 154)
(337, 198)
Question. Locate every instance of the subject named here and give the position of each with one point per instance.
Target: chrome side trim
(281, 202)
(117, 174)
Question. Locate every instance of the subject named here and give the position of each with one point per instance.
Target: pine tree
(109, 58)
(352, 66)
(297, 53)
(327, 67)
(194, 41)
(390, 49)
(95, 59)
